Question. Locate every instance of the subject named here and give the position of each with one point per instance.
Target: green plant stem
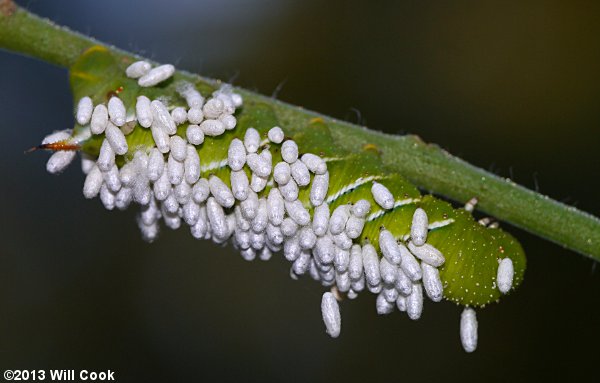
(426, 165)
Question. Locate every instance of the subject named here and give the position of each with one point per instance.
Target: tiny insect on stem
(55, 147)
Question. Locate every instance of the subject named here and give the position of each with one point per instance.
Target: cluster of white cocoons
(166, 181)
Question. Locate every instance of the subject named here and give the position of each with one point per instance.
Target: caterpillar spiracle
(199, 156)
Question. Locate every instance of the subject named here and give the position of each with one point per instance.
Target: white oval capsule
(87, 163)
(259, 223)
(229, 121)
(241, 222)
(251, 140)
(193, 98)
(123, 198)
(382, 196)
(59, 161)
(276, 207)
(116, 111)
(195, 115)
(341, 260)
(106, 157)
(221, 192)
(427, 254)
(160, 137)
(289, 191)
(265, 254)
(289, 151)
(302, 263)
(314, 163)
(388, 271)
(361, 208)
(156, 75)
(182, 193)
(116, 138)
(143, 110)
(200, 190)
(236, 155)
(250, 206)
(216, 218)
(371, 265)
(138, 69)
(409, 264)
(213, 108)
(382, 305)
(339, 217)
(432, 282)
(319, 188)
(321, 219)
(307, 238)
(291, 248)
(175, 169)
(239, 184)
(107, 198)
(191, 212)
(99, 119)
(289, 227)
(419, 227)
(297, 212)
(342, 281)
(140, 158)
(390, 294)
(191, 165)
(242, 239)
(257, 240)
(274, 234)
(389, 247)
(224, 94)
(468, 329)
(149, 233)
(248, 254)
(355, 265)
(354, 227)
(179, 115)
(85, 107)
(470, 205)
(324, 249)
(401, 303)
(403, 283)
(178, 148)
(358, 285)
(342, 240)
(170, 204)
(259, 164)
(300, 173)
(111, 179)
(194, 134)
(128, 173)
(414, 302)
(141, 191)
(282, 173)
(237, 100)
(162, 187)
(505, 275)
(200, 229)
(257, 183)
(93, 183)
(212, 128)
(331, 315)
(276, 135)
(162, 118)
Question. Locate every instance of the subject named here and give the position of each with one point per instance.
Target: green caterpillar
(472, 251)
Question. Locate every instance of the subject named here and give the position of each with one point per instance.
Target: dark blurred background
(512, 87)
